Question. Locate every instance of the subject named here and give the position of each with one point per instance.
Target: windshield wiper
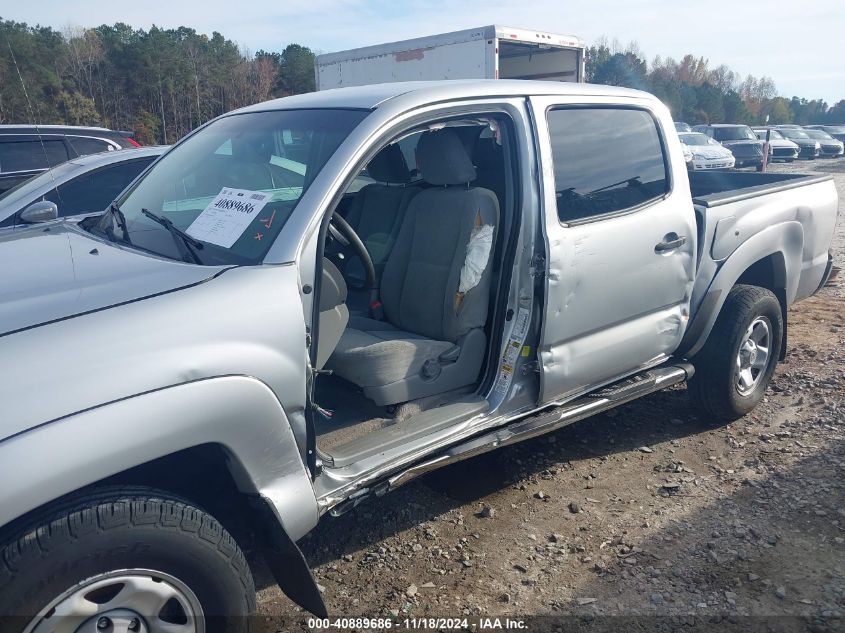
(190, 243)
(119, 218)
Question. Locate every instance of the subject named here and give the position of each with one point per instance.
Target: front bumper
(700, 164)
(808, 151)
(784, 153)
(749, 161)
(831, 150)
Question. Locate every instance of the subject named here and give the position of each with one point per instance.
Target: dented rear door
(620, 240)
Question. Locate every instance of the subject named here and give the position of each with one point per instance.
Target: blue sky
(798, 44)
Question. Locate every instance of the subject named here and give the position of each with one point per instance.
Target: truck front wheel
(139, 561)
(733, 369)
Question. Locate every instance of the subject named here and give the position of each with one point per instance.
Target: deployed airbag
(478, 254)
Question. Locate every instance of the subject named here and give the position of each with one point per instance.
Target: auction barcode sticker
(226, 217)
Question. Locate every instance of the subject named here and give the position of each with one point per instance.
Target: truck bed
(733, 207)
(715, 188)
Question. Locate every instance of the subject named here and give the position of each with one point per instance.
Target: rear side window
(605, 160)
(84, 145)
(92, 192)
(28, 155)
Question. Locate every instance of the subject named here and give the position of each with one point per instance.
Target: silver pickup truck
(311, 301)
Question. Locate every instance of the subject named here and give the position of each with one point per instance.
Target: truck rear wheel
(139, 561)
(733, 369)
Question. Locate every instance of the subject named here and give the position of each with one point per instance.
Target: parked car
(27, 150)
(781, 148)
(836, 131)
(740, 139)
(828, 146)
(548, 259)
(680, 126)
(707, 153)
(810, 147)
(80, 186)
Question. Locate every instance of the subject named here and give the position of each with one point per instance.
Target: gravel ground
(649, 510)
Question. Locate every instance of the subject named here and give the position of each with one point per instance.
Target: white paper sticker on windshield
(226, 217)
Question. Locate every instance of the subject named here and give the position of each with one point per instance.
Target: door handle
(670, 242)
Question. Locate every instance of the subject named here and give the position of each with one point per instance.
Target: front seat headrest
(389, 166)
(443, 160)
(252, 148)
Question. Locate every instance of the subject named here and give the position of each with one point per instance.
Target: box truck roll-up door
(518, 60)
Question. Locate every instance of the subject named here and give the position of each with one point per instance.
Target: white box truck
(487, 52)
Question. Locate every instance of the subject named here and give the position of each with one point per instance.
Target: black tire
(137, 528)
(714, 386)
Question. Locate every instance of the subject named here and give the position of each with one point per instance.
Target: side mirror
(41, 211)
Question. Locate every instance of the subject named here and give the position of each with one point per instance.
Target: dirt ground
(650, 510)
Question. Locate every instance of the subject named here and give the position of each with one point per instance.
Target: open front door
(620, 241)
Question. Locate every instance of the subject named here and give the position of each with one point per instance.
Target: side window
(94, 191)
(29, 155)
(605, 160)
(84, 145)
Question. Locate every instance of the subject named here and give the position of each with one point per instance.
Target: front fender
(239, 413)
(785, 239)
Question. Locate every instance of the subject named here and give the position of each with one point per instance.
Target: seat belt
(376, 307)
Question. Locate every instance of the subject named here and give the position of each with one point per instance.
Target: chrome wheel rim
(752, 359)
(123, 601)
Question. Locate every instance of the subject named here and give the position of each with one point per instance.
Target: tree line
(162, 83)
(698, 93)
(158, 83)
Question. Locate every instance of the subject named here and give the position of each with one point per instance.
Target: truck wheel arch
(259, 459)
(238, 413)
(775, 254)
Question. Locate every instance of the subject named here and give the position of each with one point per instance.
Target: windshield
(793, 133)
(835, 129)
(818, 134)
(738, 133)
(697, 139)
(774, 134)
(232, 185)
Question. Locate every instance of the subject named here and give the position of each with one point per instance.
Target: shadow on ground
(660, 417)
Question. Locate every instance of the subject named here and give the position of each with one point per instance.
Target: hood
(782, 142)
(711, 151)
(56, 270)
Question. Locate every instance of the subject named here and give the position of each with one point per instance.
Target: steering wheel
(345, 235)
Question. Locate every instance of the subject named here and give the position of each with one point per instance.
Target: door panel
(620, 249)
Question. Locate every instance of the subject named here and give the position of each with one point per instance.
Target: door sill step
(547, 420)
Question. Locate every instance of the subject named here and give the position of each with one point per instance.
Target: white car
(707, 153)
(781, 148)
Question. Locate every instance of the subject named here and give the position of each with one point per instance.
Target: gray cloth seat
(377, 210)
(432, 339)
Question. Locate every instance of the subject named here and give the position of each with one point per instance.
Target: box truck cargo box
(488, 52)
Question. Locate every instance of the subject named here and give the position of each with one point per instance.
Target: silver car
(82, 185)
(309, 302)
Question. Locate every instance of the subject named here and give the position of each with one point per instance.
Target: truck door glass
(605, 160)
